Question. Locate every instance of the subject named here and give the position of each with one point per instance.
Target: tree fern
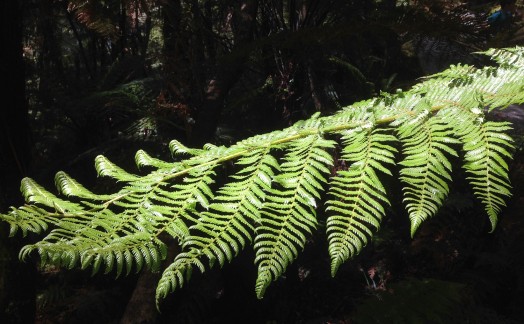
(277, 180)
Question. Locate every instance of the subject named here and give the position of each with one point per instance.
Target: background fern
(277, 182)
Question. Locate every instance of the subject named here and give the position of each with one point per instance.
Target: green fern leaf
(357, 193)
(426, 169)
(278, 179)
(222, 230)
(486, 150)
(289, 211)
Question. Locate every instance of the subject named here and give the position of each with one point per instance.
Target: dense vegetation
(113, 77)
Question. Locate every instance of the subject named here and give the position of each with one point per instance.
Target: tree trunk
(141, 307)
(80, 45)
(50, 66)
(176, 61)
(226, 75)
(17, 289)
(123, 29)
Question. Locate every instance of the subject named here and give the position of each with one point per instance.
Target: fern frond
(36, 194)
(277, 181)
(222, 230)
(142, 159)
(289, 211)
(97, 236)
(426, 169)
(357, 193)
(486, 148)
(507, 57)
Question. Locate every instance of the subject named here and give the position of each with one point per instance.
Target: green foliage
(277, 180)
(358, 194)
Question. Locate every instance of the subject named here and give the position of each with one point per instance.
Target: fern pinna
(277, 180)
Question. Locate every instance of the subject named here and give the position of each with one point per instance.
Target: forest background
(83, 78)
